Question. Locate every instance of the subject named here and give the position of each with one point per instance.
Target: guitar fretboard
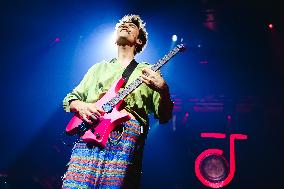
(133, 85)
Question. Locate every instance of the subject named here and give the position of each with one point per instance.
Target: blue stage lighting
(174, 37)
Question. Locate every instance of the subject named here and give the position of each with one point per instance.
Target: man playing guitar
(118, 163)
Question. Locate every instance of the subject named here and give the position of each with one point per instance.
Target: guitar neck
(135, 84)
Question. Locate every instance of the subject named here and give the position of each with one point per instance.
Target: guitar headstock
(181, 47)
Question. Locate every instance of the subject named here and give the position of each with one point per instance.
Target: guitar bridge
(83, 127)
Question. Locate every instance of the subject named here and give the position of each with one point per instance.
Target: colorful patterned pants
(116, 166)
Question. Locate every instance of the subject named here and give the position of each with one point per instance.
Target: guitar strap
(128, 70)
(126, 74)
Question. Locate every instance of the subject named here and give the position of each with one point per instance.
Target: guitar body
(98, 132)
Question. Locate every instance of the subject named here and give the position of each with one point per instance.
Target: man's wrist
(165, 91)
(74, 105)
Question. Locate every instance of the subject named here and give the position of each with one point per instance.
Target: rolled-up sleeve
(156, 105)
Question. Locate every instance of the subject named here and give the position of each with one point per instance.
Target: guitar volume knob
(98, 135)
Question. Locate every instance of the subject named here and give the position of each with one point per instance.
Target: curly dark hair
(143, 35)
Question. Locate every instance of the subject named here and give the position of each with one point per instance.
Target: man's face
(127, 34)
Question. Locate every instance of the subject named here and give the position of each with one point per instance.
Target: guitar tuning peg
(181, 47)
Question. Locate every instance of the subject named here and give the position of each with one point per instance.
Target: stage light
(185, 118)
(229, 117)
(57, 40)
(203, 62)
(101, 44)
(186, 114)
(174, 37)
(270, 26)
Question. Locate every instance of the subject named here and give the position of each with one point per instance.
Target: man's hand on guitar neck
(154, 80)
(89, 112)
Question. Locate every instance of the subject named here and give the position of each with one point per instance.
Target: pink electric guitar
(98, 132)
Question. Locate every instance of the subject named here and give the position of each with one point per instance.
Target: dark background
(233, 68)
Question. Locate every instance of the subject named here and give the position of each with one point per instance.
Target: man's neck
(125, 55)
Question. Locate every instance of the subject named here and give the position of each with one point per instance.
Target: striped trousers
(116, 166)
